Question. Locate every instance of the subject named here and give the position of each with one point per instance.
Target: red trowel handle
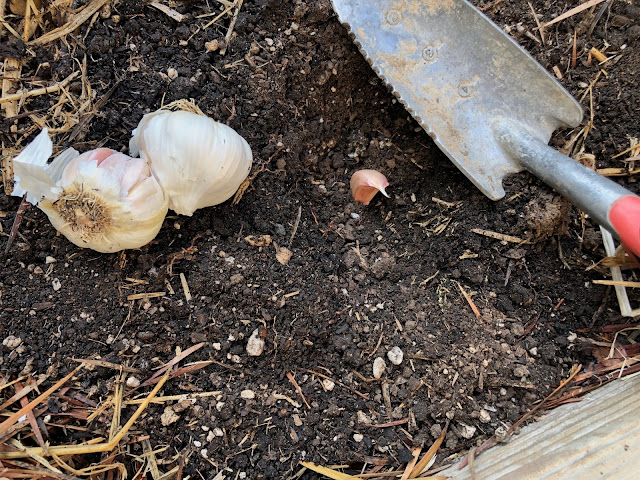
(624, 215)
(608, 203)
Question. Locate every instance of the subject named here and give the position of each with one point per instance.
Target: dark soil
(361, 280)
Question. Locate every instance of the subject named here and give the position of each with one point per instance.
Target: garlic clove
(102, 199)
(366, 183)
(199, 162)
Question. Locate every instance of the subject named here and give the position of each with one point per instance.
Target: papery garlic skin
(102, 199)
(198, 161)
(365, 184)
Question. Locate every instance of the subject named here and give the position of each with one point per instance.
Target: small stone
(255, 344)
(363, 419)
(358, 437)
(49, 260)
(38, 271)
(56, 284)
(502, 434)
(217, 346)
(210, 436)
(168, 416)
(395, 355)
(328, 384)
(521, 371)
(484, 416)
(212, 46)
(467, 431)
(204, 452)
(237, 278)
(572, 337)
(379, 366)
(218, 432)
(355, 216)
(533, 351)
(12, 342)
(145, 336)
(172, 73)
(248, 394)
(197, 443)
(133, 382)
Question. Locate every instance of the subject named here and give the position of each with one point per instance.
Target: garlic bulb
(102, 199)
(366, 183)
(198, 161)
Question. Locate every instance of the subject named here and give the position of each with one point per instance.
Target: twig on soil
(467, 297)
(491, 442)
(295, 226)
(227, 37)
(337, 382)
(540, 29)
(24, 205)
(39, 91)
(298, 389)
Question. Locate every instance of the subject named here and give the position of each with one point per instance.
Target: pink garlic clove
(366, 183)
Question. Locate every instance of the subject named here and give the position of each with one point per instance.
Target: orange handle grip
(625, 218)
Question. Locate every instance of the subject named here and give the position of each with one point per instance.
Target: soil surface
(362, 281)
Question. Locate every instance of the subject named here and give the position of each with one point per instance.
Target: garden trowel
(487, 104)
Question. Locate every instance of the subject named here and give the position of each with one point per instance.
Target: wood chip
(139, 296)
(498, 236)
(573, 11)
(185, 287)
(168, 11)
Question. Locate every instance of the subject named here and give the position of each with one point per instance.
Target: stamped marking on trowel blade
(466, 89)
(430, 53)
(393, 16)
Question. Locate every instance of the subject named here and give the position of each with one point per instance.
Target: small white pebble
(248, 394)
(218, 432)
(210, 436)
(133, 382)
(197, 443)
(572, 337)
(484, 416)
(255, 345)
(395, 355)
(379, 366)
(56, 284)
(358, 437)
(533, 351)
(204, 452)
(49, 260)
(328, 384)
(217, 346)
(172, 73)
(355, 216)
(467, 431)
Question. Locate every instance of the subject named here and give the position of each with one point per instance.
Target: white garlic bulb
(102, 199)
(198, 161)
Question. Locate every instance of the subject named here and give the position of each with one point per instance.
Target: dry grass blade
(86, 448)
(4, 426)
(39, 91)
(105, 364)
(425, 461)
(572, 12)
(328, 472)
(78, 19)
